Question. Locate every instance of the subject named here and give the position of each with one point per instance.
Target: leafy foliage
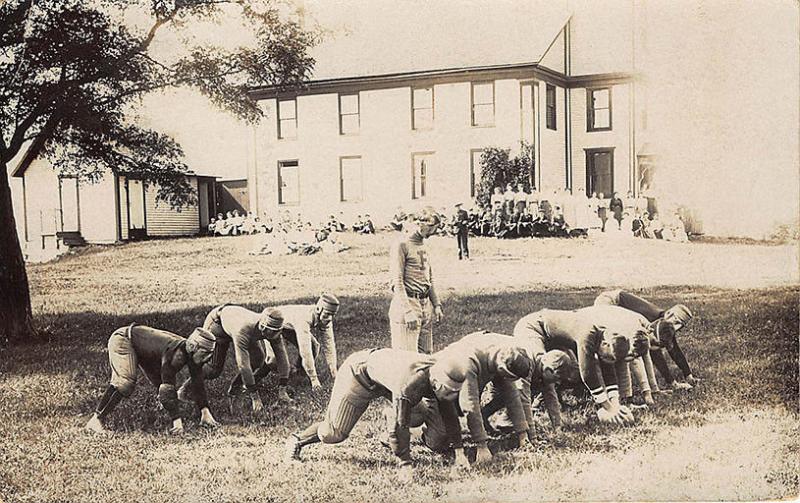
(498, 169)
(72, 74)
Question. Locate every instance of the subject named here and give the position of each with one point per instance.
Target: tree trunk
(16, 319)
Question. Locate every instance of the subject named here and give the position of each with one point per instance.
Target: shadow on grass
(739, 342)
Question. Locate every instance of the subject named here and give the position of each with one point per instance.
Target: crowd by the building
(515, 212)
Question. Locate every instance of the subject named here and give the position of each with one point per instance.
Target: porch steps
(71, 238)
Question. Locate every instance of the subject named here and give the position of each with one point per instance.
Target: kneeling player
(665, 324)
(404, 377)
(160, 355)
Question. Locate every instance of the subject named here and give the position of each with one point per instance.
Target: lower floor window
(288, 182)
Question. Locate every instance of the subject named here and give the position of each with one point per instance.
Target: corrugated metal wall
(162, 220)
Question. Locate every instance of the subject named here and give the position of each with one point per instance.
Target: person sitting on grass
(245, 329)
(597, 350)
(402, 376)
(665, 324)
(472, 363)
(309, 328)
(399, 218)
(367, 227)
(160, 355)
(211, 225)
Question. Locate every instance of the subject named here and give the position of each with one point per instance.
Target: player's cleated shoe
(291, 449)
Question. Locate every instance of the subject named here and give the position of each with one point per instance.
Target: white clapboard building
(58, 210)
(398, 113)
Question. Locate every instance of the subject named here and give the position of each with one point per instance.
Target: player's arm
(328, 349)
(397, 263)
(303, 331)
(679, 358)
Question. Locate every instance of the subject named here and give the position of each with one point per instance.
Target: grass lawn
(734, 437)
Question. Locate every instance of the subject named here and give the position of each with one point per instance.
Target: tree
(72, 73)
(498, 169)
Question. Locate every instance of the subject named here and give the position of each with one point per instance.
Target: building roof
(388, 37)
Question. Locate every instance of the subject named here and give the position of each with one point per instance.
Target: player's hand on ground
(681, 386)
(177, 427)
(692, 380)
(206, 419)
(461, 462)
(283, 396)
(405, 473)
(438, 313)
(609, 417)
(258, 405)
(483, 455)
(626, 414)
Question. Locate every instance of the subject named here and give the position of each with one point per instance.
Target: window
(349, 117)
(551, 107)
(474, 170)
(419, 174)
(483, 103)
(350, 184)
(287, 119)
(288, 182)
(526, 112)
(598, 109)
(422, 108)
(600, 171)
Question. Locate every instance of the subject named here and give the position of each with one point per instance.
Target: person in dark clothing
(160, 355)
(617, 206)
(461, 227)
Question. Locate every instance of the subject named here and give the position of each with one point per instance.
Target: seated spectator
(367, 227)
(358, 224)
(222, 228)
(626, 225)
(499, 228)
(486, 222)
(249, 223)
(333, 244)
(656, 226)
(211, 225)
(637, 225)
(398, 220)
(602, 211)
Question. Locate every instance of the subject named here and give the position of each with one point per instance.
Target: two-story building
(365, 139)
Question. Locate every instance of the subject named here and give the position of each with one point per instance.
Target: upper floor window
(287, 119)
(288, 182)
(598, 109)
(483, 103)
(550, 91)
(349, 114)
(422, 108)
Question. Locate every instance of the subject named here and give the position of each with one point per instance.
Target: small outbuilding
(63, 210)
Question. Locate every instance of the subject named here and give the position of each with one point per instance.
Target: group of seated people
(235, 224)
(516, 213)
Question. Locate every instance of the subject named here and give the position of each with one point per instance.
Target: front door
(600, 171)
(68, 198)
(137, 228)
